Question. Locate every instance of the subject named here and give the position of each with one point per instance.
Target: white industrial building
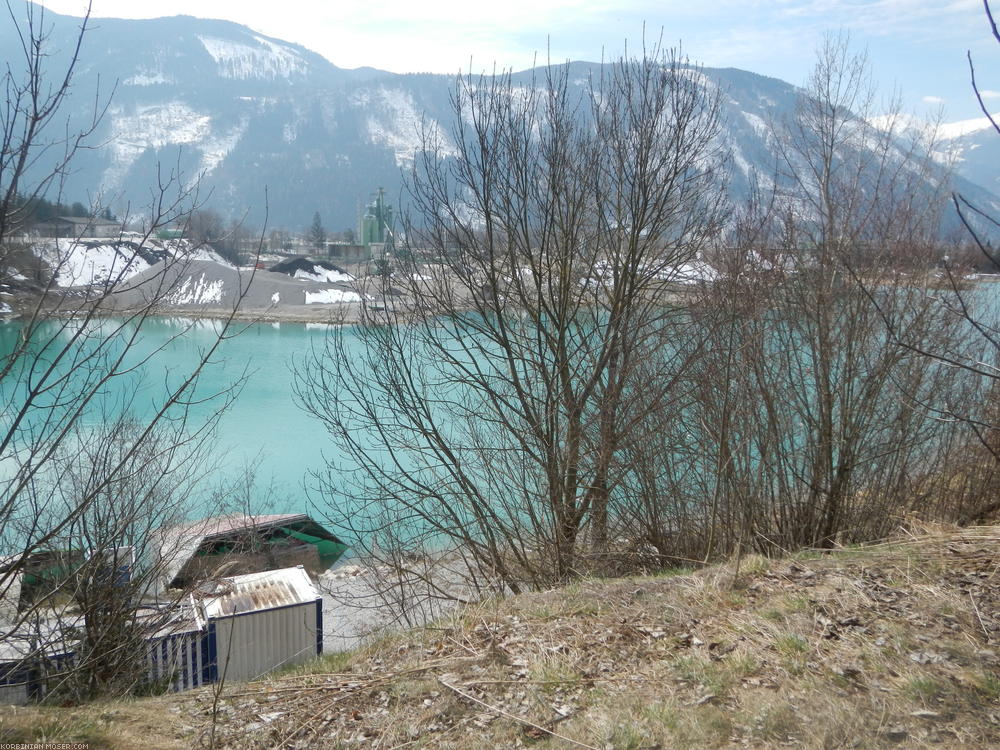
(238, 629)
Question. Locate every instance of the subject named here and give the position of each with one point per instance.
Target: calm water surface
(265, 430)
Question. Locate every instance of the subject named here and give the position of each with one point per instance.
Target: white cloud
(988, 94)
(440, 36)
(918, 44)
(932, 100)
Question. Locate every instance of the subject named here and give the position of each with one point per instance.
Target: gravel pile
(211, 289)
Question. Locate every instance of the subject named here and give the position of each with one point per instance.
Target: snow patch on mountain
(961, 128)
(913, 126)
(758, 124)
(148, 78)
(741, 162)
(172, 123)
(242, 61)
(218, 146)
(151, 127)
(397, 122)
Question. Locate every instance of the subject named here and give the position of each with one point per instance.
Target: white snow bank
(81, 263)
(204, 252)
(693, 273)
(76, 264)
(323, 275)
(331, 297)
(200, 292)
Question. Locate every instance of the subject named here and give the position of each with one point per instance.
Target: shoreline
(23, 305)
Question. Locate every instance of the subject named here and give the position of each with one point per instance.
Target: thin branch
(513, 717)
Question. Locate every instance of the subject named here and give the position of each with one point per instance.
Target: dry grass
(894, 645)
(162, 723)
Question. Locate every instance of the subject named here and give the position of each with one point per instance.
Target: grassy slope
(896, 645)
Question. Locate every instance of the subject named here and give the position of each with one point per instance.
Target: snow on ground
(80, 264)
(360, 601)
(694, 272)
(200, 292)
(96, 262)
(323, 275)
(331, 297)
(213, 287)
(202, 252)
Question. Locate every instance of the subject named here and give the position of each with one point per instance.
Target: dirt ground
(893, 645)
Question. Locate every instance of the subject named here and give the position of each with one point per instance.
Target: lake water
(265, 429)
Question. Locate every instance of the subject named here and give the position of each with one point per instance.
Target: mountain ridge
(245, 110)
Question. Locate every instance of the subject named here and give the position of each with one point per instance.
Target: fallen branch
(512, 717)
(975, 609)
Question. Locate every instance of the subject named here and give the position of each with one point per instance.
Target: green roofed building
(239, 544)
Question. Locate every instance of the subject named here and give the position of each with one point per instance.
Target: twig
(588, 680)
(989, 17)
(978, 616)
(518, 719)
(307, 724)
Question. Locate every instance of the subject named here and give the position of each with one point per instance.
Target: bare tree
(69, 366)
(487, 397)
(807, 424)
(33, 144)
(970, 306)
(205, 227)
(973, 306)
(101, 581)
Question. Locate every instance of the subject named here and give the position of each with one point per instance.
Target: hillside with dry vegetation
(891, 645)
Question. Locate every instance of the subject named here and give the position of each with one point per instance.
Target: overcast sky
(918, 46)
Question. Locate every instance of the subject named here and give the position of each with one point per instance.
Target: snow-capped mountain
(248, 112)
(974, 145)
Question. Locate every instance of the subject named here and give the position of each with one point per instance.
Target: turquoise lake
(264, 430)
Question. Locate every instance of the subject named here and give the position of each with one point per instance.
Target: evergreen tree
(317, 234)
